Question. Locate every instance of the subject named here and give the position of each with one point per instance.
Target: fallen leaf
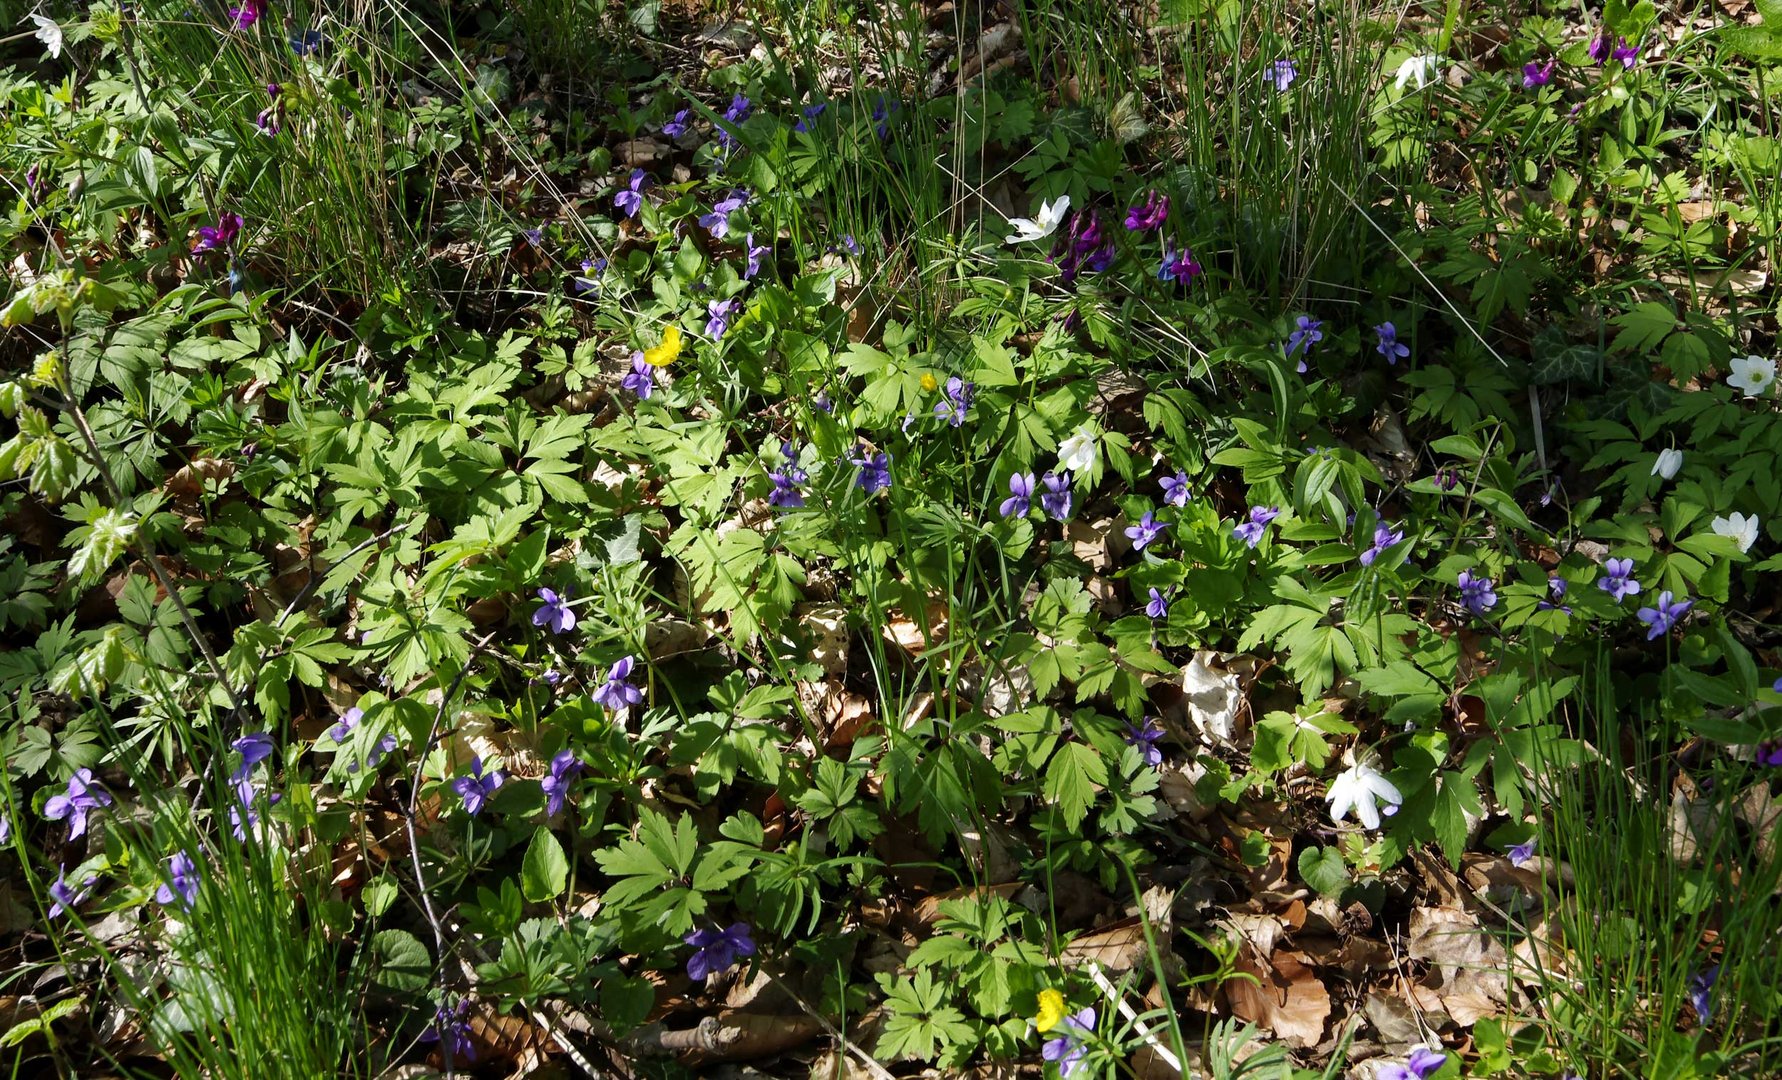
(1282, 994)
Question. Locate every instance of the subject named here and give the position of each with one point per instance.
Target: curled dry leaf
(1213, 696)
(1469, 969)
(1281, 993)
(827, 625)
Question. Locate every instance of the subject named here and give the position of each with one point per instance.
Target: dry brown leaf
(928, 909)
(827, 625)
(1116, 948)
(1282, 994)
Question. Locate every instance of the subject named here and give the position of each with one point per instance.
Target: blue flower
(1145, 737)
(1307, 332)
(476, 788)
(630, 197)
(565, 766)
(1521, 853)
(811, 112)
(1282, 73)
(589, 282)
(641, 381)
(1660, 619)
(1147, 530)
(181, 883)
(1476, 593)
(1020, 500)
(787, 480)
(1250, 531)
(737, 113)
(65, 897)
(1556, 587)
(875, 471)
(1056, 499)
(1158, 605)
(253, 749)
(1389, 345)
(451, 1028)
(677, 127)
(1422, 1064)
(1067, 1047)
(82, 796)
(1383, 538)
(754, 256)
(1175, 489)
(718, 317)
(1178, 266)
(959, 396)
(718, 221)
(554, 611)
(618, 692)
(1617, 579)
(718, 950)
(307, 42)
(1701, 994)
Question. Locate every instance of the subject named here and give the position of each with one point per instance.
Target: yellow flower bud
(1051, 1011)
(664, 354)
(929, 383)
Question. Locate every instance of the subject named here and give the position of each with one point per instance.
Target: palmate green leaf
(1072, 777)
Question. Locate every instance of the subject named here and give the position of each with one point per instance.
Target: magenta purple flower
(1477, 594)
(1056, 499)
(247, 13)
(1146, 530)
(1629, 55)
(630, 197)
(1085, 246)
(271, 118)
(618, 692)
(717, 950)
(1251, 529)
(477, 788)
(1020, 500)
(565, 767)
(1389, 346)
(1664, 614)
(182, 881)
(1178, 266)
(1536, 75)
(218, 236)
(554, 611)
(74, 804)
(1148, 215)
(1618, 580)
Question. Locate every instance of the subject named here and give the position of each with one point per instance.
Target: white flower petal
(50, 33)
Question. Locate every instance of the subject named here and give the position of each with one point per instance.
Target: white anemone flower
(1050, 216)
(50, 33)
(1752, 374)
(1362, 788)
(1418, 71)
(1669, 461)
(1078, 452)
(1741, 528)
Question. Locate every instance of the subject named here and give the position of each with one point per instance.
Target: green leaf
(402, 963)
(1323, 869)
(544, 873)
(1071, 779)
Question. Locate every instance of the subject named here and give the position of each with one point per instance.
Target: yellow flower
(1051, 1011)
(928, 383)
(664, 354)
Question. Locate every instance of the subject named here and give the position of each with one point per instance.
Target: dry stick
(835, 1033)
(1118, 1000)
(414, 798)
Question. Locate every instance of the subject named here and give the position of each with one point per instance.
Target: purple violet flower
(1476, 593)
(1307, 332)
(630, 197)
(737, 113)
(1020, 500)
(1178, 266)
(253, 748)
(1536, 75)
(881, 116)
(851, 245)
(1250, 531)
(1055, 501)
(1150, 214)
(565, 766)
(717, 950)
(1701, 994)
(220, 235)
(451, 1029)
(247, 13)
(1281, 73)
(1384, 538)
(1422, 1064)
(82, 796)
(1556, 588)
(959, 396)
(1175, 489)
(476, 788)
(245, 815)
(306, 43)
(1617, 579)
(787, 480)
(718, 221)
(641, 381)
(1147, 529)
(1145, 737)
(554, 611)
(1067, 1045)
(811, 112)
(271, 118)
(1157, 607)
(1664, 616)
(718, 321)
(753, 266)
(589, 282)
(677, 127)
(182, 881)
(1598, 49)
(65, 897)
(1629, 55)
(875, 471)
(1520, 854)
(617, 692)
(1390, 347)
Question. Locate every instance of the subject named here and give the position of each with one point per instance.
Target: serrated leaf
(1072, 776)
